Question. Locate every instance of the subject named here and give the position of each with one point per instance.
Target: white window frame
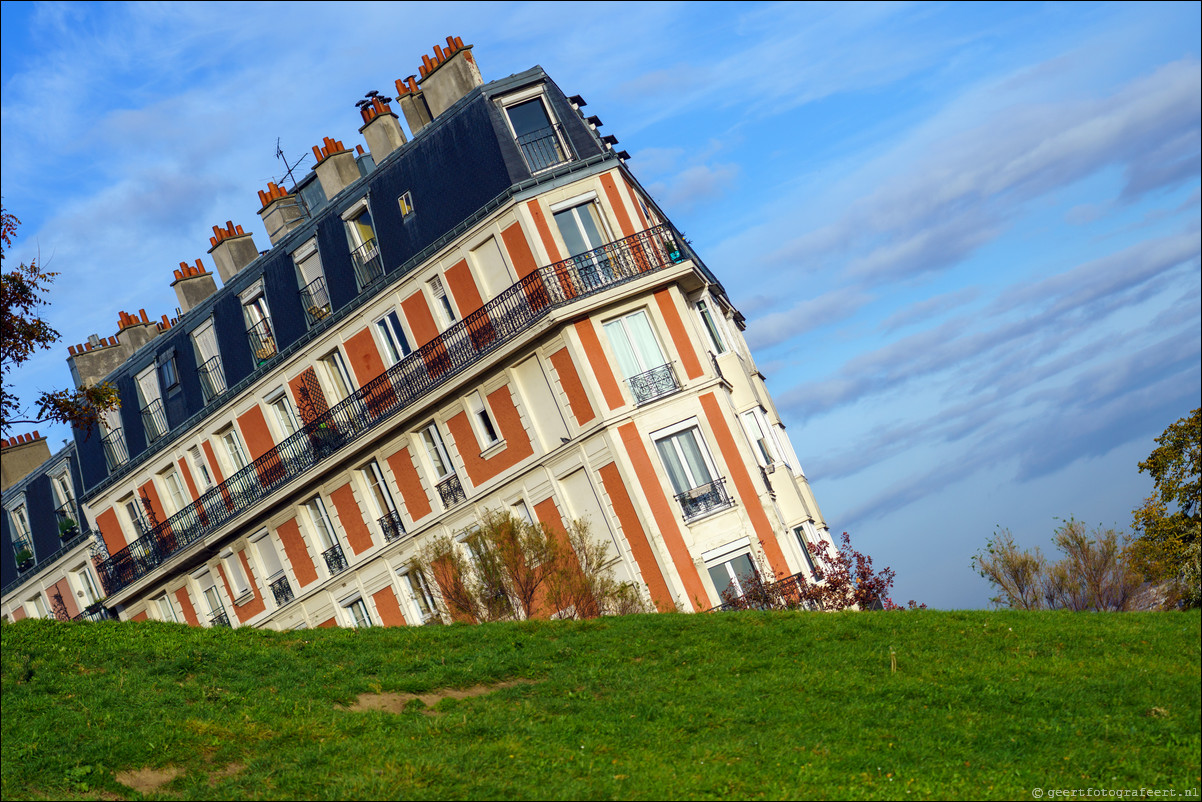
(702, 447)
(230, 435)
(321, 523)
(202, 468)
(442, 303)
(576, 205)
(60, 485)
(204, 339)
(166, 608)
(40, 608)
(405, 202)
(356, 603)
(518, 98)
(435, 449)
(85, 587)
(419, 595)
(723, 556)
(488, 434)
(283, 417)
(710, 323)
(138, 521)
(376, 488)
(176, 492)
(236, 574)
(333, 373)
(386, 329)
(804, 533)
(619, 324)
(147, 381)
(269, 556)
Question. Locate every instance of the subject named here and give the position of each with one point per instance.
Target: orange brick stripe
(602, 372)
(569, 380)
(644, 556)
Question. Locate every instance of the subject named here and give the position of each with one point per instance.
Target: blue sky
(965, 237)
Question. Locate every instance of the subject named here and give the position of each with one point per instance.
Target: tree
(23, 332)
(1096, 572)
(1169, 522)
(843, 580)
(506, 568)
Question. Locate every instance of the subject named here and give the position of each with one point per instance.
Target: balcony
(369, 268)
(95, 612)
(784, 594)
(262, 341)
(450, 490)
(653, 384)
(68, 526)
(154, 420)
(212, 379)
(335, 559)
(701, 501)
(282, 591)
(515, 311)
(392, 527)
(315, 300)
(115, 454)
(545, 148)
(220, 620)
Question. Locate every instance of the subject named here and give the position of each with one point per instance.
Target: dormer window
(22, 542)
(314, 295)
(365, 251)
(538, 135)
(154, 417)
(212, 377)
(113, 441)
(258, 324)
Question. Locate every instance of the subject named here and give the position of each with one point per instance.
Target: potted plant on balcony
(67, 529)
(24, 559)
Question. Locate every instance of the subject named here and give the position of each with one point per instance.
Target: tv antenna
(279, 154)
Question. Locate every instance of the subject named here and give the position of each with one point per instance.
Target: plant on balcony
(67, 529)
(24, 559)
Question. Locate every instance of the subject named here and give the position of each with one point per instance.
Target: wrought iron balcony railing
(114, 449)
(219, 620)
(212, 378)
(369, 268)
(392, 527)
(154, 420)
(703, 500)
(653, 384)
(315, 300)
(95, 612)
(514, 311)
(450, 490)
(783, 594)
(262, 341)
(335, 559)
(545, 148)
(282, 590)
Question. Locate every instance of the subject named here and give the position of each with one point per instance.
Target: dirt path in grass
(395, 702)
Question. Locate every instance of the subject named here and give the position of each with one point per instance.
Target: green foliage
(1168, 524)
(733, 705)
(1094, 573)
(23, 332)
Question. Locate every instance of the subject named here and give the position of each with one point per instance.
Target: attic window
(406, 203)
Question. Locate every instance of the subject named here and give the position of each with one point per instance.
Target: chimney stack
(99, 356)
(280, 212)
(233, 249)
(450, 75)
(413, 104)
(381, 128)
(23, 454)
(336, 167)
(192, 284)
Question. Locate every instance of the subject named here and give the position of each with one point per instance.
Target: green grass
(738, 705)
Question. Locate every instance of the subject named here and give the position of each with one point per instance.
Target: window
(485, 431)
(85, 586)
(217, 616)
(522, 511)
(365, 252)
(442, 304)
(730, 572)
(237, 576)
(201, 467)
(212, 378)
(166, 609)
(315, 297)
(137, 516)
(333, 372)
(312, 196)
(168, 376)
(327, 538)
(113, 440)
(377, 489)
(691, 472)
(762, 438)
(356, 612)
(154, 417)
(258, 323)
(61, 485)
(439, 459)
(711, 326)
(420, 599)
(640, 358)
(22, 543)
(392, 337)
(406, 204)
(234, 452)
(175, 490)
(536, 134)
(583, 233)
(281, 412)
(807, 534)
(37, 608)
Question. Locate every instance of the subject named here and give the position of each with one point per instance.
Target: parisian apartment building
(476, 307)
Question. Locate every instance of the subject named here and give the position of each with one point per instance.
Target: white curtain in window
(634, 344)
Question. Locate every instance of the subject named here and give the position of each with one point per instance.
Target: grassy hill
(738, 705)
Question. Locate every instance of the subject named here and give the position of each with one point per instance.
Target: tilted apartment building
(486, 313)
